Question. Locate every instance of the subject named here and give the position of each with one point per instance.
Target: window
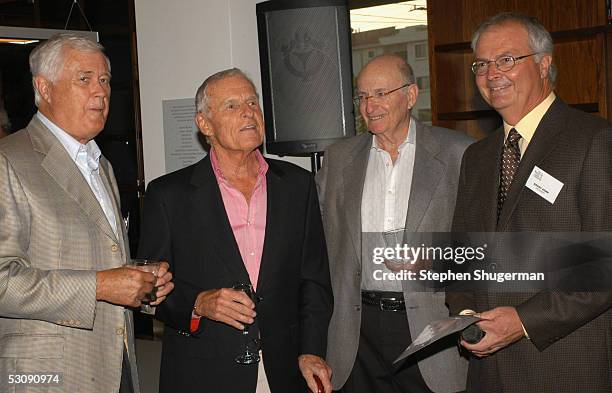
(423, 82)
(403, 54)
(387, 26)
(420, 51)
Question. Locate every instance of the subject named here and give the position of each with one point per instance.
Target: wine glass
(248, 356)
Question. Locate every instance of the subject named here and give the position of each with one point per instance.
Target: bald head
(387, 93)
(389, 64)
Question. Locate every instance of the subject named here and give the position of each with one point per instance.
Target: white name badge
(544, 184)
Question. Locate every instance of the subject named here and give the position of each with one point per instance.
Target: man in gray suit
(63, 245)
(401, 174)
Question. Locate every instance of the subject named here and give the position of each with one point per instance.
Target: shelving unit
(581, 35)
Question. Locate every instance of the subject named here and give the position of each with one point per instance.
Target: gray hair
(202, 98)
(540, 40)
(47, 59)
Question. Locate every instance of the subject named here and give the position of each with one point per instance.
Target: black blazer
(571, 333)
(186, 224)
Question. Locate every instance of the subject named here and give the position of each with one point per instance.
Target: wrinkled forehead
(75, 60)
(233, 87)
(379, 75)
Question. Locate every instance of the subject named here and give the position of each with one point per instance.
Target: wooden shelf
(557, 36)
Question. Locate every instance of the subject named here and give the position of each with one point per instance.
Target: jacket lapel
(542, 143)
(353, 180)
(426, 175)
(106, 174)
(276, 194)
(487, 186)
(67, 175)
(208, 204)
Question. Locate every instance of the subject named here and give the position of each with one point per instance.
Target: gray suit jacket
(430, 209)
(54, 236)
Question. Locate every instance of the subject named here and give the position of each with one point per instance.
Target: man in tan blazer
(63, 286)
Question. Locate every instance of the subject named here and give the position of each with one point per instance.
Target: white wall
(180, 43)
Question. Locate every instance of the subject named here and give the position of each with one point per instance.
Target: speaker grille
(306, 86)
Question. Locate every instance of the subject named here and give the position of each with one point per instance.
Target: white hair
(47, 59)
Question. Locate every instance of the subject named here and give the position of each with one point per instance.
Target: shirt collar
(410, 137)
(72, 146)
(263, 166)
(528, 124)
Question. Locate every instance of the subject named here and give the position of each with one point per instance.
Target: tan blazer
(54, 236)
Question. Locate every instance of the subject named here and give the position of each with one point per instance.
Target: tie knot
(513, 136)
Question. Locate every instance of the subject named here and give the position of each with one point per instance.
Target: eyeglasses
(377, 96)
(503, 63)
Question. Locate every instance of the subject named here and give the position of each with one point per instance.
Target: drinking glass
(249, 356)
(151, 266)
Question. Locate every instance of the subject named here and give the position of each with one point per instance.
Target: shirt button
(119, 331)
(252, 253)
(114, 248)
(357, 308)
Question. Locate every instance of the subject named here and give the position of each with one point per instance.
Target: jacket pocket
(39, 346)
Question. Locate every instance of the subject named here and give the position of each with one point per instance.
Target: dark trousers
(384, 335)
(126, 385)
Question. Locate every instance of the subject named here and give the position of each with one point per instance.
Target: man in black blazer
(237, 217)
(546, 341)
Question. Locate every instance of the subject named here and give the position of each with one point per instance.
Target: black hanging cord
(82, 14)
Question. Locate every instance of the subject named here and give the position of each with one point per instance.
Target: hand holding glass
(150, 266)
(249, 356)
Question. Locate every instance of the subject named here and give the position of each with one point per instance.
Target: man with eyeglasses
(400, 175)
(548, 341)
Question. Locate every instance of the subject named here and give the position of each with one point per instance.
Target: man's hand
(502, 326)
(226, 305)
(163, 284)
(123, 286)
(313, 365)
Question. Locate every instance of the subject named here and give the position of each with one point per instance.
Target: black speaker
(306, 74)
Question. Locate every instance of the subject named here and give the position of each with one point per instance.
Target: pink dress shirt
(248, 220)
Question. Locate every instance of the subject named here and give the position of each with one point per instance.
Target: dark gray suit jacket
(571, 333)
(430, 209)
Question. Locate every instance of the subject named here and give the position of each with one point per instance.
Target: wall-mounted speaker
(306, 74)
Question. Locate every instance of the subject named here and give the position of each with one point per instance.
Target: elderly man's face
(235, 122)
(78, 101)
(516, 92)
(388, 115)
